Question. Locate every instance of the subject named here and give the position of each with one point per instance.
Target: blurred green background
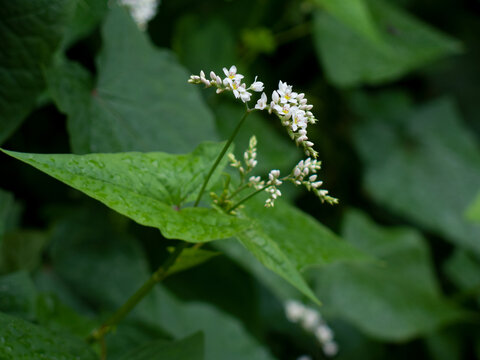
(394, 86)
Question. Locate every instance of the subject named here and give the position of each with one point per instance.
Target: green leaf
(288, 241)
(413, 157)
(140, 101)
(22, 250)
(396, 300)
(203, 45)
(354, 14)
(266, 250)
(190, 348)
(304, 240)
(225, 336)
(85, 17)
(53, 314)
(473, 211)
(445, 345)
(23, 340)
(351, 58)
(9, 213)
(463, 269)
(191, 257)
(17, 295)
(30, 31)
(146, 187)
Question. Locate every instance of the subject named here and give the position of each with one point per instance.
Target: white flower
(256, 182)
(232, 75)
(299, 120)
(262, 102)
(304, 357)
(257, 85)
(245, 96)
(323, 333)
(330, 348)
(310, 320)
(273, 178)
(286, 94)
(275, 97)
(285, 111)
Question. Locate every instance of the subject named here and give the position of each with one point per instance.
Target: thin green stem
(161, 273)
(99, 333)
(239, 190)
(219, 157)
(247, 198)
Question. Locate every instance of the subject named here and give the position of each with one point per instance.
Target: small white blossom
(286, 94)
(304, 357)
(323, 333)
(310, 319)
(256, 182)
(231, 74)
(250, 155)
(262, 102)
(257, 85)
(312, 322)
(330, 348)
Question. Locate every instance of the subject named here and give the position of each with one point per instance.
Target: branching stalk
(220, 157)
(162, 272)
(248, 197)
(99, 333)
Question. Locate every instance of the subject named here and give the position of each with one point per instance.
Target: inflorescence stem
(220, 157)
(247, 198)
(157, 276)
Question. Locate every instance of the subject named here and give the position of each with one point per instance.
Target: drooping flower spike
(290, 107)
(311, 321)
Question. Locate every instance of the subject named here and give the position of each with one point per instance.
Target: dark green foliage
(91, 100)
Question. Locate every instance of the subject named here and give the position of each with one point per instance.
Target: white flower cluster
(309, 168)
(249, 158)
(294, 112)
(231, 82)
(304, 173)
(312, 322)
(292, 108)
(273, 183)
(142, 11)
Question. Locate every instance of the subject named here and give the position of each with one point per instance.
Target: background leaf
(190, 348)
(381, 299)
(413, 157)
(18, 295)
(86, 15)
(351, 58)
(356, 15)
(473, 211)
(463, 269)
(22, 250)
(140, 100)
(9, 213)
(30, 33)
